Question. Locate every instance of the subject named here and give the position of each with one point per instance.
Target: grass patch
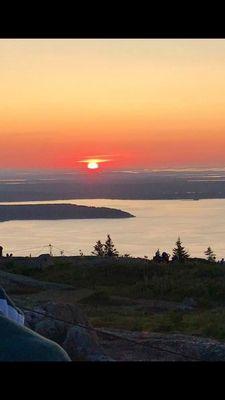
(134, 279)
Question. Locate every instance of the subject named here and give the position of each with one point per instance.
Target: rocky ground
(59, 312)
(85, 343)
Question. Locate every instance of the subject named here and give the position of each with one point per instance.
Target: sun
(92, 165)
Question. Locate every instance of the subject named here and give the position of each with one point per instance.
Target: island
(58, 211)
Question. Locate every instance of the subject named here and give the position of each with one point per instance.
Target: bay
(158, 223)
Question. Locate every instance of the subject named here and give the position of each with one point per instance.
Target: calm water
(157, 225)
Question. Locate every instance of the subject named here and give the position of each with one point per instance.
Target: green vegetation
(136, 278)
(123, 290)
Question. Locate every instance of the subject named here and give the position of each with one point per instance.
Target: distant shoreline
(47, 200)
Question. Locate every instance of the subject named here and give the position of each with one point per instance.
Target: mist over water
(157, 225)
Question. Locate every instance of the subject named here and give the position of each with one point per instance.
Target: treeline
(179, 254)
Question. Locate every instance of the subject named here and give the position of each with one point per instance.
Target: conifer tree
(109, 248)
(99, 249)
(179, 252)
(210, 255)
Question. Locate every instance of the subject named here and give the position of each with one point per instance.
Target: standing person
(165, 257)
(157, 257)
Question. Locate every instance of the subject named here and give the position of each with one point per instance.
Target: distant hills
(58, 211)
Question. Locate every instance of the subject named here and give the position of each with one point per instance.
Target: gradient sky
(140, 103)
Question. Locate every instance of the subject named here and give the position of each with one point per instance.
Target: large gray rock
(150, 346)
(16, 281)
(67, 312)
(33, 317)
(43, 261)
(82, 346)
(56, 320)
(53, 330)
(187, 348)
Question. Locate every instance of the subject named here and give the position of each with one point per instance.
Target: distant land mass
(58, 211)
(18, 186)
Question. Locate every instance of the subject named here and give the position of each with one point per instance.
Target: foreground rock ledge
(85, 345)
(80, 343)
(162, 347)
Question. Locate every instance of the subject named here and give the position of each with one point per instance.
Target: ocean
(158, 223)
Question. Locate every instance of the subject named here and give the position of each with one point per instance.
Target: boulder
(187, 348)
(67, 312)
(79, 343)
(149, 346)
(82, 346)
(62, 317)
(33, 317)
(51, 329)
(43, 261)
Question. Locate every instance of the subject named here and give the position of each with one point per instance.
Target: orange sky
(143, 103)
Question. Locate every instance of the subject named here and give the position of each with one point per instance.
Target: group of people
(7, 254)
(161, 258)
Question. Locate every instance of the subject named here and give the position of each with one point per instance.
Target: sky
(139, 103)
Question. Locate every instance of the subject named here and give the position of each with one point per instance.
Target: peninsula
(58, 211)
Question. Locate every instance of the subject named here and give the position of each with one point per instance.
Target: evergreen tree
(179, 252)
(99, 249)
(109, 248)
(210, 255)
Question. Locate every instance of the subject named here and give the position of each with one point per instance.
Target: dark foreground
(175, 307)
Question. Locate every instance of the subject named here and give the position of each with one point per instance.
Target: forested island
(58, 211)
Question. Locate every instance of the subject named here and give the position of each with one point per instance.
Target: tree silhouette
(109, 248)
(157, 256)
(99, 249)
(157, 253)
(179, 252)
(210, 255)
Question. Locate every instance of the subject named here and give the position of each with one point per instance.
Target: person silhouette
(157, 257)
(165, 257)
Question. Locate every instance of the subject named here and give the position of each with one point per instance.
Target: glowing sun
(92, 165)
